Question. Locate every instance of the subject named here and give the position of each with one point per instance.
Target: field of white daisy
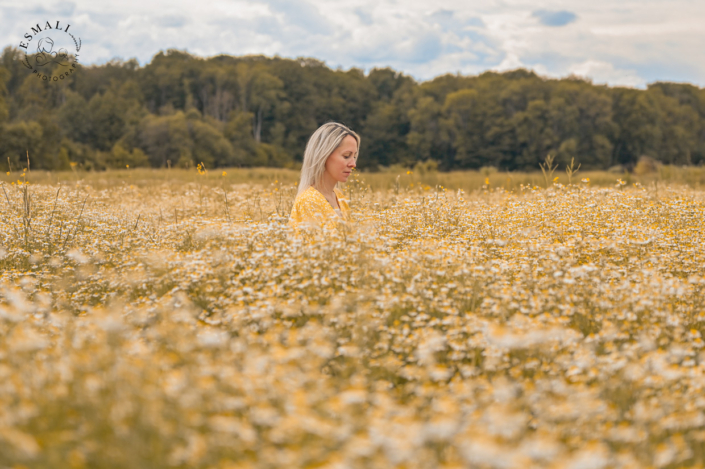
(151, 321)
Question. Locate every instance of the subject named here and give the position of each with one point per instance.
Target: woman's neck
(327, 186)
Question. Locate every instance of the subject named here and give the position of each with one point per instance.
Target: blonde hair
(320, 146)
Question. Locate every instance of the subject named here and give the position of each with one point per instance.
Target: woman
(330, 156)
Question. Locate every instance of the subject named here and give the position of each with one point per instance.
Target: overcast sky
(626, 42)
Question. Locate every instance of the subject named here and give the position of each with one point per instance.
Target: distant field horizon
(389, 178)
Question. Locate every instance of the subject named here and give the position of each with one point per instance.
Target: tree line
(181, 110)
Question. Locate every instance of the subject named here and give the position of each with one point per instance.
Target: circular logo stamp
(51, 51)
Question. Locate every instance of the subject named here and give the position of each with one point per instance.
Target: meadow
(154, 319)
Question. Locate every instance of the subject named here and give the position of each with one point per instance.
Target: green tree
(75, 119)
(638, 133)
(383, 140)
(19, 139)
(582, 121)
(4, 112)
(210, 145)
(260, 92)
(256, 110)
(165, 78)
(680, 127)
(238, 131)
(689, 97)
(121, 157)
(184, 139)
(107, 116)
(424, 137)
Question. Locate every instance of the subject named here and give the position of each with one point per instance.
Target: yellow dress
(312, 206)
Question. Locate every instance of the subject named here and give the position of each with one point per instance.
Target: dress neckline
(335, 193)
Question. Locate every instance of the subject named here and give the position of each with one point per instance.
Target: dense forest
(181, 110)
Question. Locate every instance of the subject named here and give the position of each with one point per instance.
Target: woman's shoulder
(309, 205)
(310, 196)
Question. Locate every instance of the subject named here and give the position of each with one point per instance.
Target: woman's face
(341, 162)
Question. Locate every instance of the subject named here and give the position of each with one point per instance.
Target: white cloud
(604, 72)
(627, 43)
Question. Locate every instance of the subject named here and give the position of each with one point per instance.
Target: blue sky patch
(554, 18)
